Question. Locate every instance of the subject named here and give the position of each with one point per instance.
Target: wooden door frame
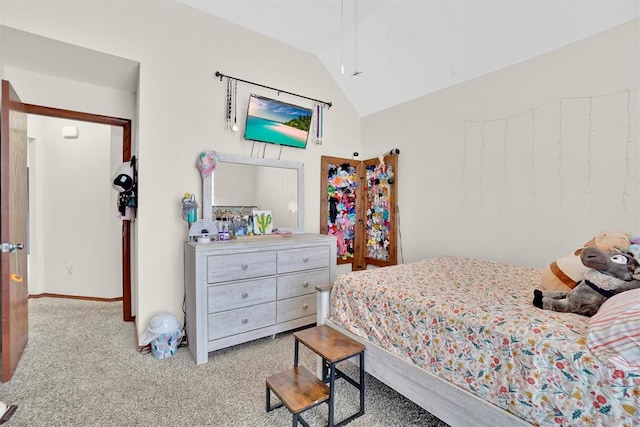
(125, 124)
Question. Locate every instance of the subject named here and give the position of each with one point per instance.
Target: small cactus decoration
(262, 222)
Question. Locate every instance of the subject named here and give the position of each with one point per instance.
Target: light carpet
(81, 367)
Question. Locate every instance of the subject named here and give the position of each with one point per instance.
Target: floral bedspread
(472, 323)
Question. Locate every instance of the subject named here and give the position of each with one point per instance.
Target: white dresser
(244, 289)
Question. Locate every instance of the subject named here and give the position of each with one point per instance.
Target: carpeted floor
(81, 368)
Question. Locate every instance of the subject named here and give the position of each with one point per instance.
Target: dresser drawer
(227, 267)
(303, 258)
(293, 285)
(294, 308)
(240, 320)
(241, 294)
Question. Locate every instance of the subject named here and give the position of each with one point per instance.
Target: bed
(461, 338)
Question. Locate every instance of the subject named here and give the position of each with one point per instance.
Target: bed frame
(450, 403)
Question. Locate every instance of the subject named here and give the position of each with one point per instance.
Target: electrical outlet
(69, 268)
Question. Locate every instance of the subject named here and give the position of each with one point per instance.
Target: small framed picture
(242, 225)
(262, 222)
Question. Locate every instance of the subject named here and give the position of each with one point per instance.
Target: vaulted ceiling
(405, 49)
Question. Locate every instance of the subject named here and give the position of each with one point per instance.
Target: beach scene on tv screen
(272, 121)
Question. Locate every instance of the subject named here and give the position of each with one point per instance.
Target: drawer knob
(245, 321)
(305, 285)
(306, 306)
(305, 259)
(245, 294)
(245, 266)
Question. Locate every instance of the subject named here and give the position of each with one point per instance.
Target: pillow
(614, 331)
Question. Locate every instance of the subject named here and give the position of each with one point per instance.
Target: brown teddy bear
(563, 273)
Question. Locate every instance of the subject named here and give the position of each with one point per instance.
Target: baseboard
(48, 295)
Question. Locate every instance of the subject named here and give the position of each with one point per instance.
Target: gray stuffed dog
(609, 274)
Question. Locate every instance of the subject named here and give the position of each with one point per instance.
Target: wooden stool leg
(332, 393)
(362, 383)
(268, 402)
(268, 406)
(325, 370)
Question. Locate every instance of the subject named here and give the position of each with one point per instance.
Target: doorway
(124, 126)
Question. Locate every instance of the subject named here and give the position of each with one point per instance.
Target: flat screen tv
(277, 122)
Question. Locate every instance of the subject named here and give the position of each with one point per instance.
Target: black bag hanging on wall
(125, 181)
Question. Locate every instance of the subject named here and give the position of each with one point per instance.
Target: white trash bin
(163, 333)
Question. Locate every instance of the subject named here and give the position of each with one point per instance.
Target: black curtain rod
(219, 74)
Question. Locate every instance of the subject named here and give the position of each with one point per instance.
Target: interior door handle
(12, 247)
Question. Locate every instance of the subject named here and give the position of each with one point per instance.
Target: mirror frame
(207, 184)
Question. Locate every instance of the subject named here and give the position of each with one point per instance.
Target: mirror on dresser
(246, 183)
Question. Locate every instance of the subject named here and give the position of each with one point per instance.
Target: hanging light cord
(341, 36)
(355, 38)
(355, 43)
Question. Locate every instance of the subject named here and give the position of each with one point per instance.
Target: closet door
(342, 207)
(380, 212)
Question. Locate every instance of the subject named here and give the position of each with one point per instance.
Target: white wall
(524, 164)
(1, 56)
(50, 91)
(181, 111)
(75, 236)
